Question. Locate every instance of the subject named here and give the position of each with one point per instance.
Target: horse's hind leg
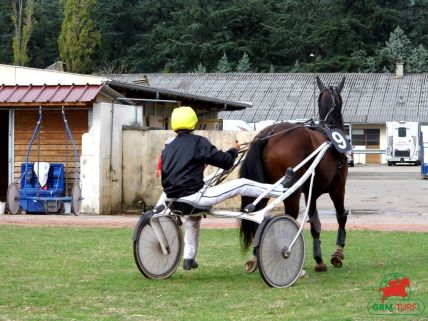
(315, 223)
(338, 197)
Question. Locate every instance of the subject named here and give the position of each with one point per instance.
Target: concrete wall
(101, 161)
(141, 150)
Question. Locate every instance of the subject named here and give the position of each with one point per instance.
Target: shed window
(401, 131)
(366, 137)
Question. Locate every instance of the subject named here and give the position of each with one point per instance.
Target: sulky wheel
(148, 254)
(12, 199)
(279, 266)
(76, 199)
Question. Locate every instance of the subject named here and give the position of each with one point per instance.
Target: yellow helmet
(183, 118)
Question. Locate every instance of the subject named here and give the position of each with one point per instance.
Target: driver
(183, 164)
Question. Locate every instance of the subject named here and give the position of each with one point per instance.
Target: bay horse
(285, 145)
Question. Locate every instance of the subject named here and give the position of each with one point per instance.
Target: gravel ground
(378, 197)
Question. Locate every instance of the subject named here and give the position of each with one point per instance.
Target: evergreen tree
(297, 67)
(6, 32)
(398, 46)
(418, 60)
(117, 22)
(359, 59)
(78, 38)
(201, 69)
(244, 64)
(23, 21)
(370, 65)
(43, 43)
(223, 65)
(271, 69)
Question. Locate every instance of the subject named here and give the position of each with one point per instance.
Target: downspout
(111, 138)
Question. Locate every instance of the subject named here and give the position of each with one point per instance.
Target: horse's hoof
(336, 261)
(250, 266)
(337, 257)
(320, 267)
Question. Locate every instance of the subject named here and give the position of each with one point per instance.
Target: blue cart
(31, 197)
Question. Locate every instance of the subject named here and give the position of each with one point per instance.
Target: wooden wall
(52, 138)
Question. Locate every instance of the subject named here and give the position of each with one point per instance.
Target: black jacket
(184, 160)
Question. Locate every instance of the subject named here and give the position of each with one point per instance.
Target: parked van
(403, 143)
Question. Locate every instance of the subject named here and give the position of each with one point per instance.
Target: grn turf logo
(395, 297)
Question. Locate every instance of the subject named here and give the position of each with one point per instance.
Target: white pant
(214, 195)
(242, 186)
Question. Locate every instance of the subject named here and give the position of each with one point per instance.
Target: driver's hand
(237, 146)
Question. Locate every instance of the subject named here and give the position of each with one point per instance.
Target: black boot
(189, 264)
(290, 178)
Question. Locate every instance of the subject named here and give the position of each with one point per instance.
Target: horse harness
(332, 92)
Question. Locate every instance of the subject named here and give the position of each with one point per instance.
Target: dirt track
(358, 222)
(379, 198)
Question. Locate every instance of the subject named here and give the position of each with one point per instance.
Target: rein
(242, 152)
(333, 104)
(271, 134)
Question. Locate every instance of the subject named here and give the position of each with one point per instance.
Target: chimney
(143, 80)
(399, 70)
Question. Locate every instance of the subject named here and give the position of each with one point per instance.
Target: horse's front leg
(338, 256)
(315, 223)
(342, 216)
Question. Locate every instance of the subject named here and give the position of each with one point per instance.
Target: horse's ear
(340, 86)
(321, 86)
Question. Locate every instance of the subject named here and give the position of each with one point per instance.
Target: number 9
(339, 139)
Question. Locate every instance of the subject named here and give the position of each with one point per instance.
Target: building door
(373, 142)
(370, 138)
(4, 153)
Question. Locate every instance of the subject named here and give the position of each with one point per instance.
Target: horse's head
(330, 104)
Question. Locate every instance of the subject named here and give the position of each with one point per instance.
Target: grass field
(90, 274)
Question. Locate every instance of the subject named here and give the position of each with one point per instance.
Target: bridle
(332, 92)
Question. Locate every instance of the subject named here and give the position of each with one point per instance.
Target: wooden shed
(19, 112)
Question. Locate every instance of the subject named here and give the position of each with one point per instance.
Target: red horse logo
(395, 287)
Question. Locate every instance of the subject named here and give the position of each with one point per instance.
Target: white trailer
(403, 143)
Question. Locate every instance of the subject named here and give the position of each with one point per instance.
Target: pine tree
(398, 45)
(23, 21)
(296, 67)
(201, 69)
(370, 65)
(244, 64)
(223, 65)
(418, 60)
(271, 69)
(78, 38)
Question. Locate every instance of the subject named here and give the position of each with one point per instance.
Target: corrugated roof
(49, 94)
(368, 98)
(178, 95)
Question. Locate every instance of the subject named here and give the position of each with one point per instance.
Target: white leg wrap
(191, 237)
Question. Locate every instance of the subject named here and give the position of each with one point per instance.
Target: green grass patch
(89, 274)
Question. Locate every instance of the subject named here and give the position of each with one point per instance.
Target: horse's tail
(252, 168)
